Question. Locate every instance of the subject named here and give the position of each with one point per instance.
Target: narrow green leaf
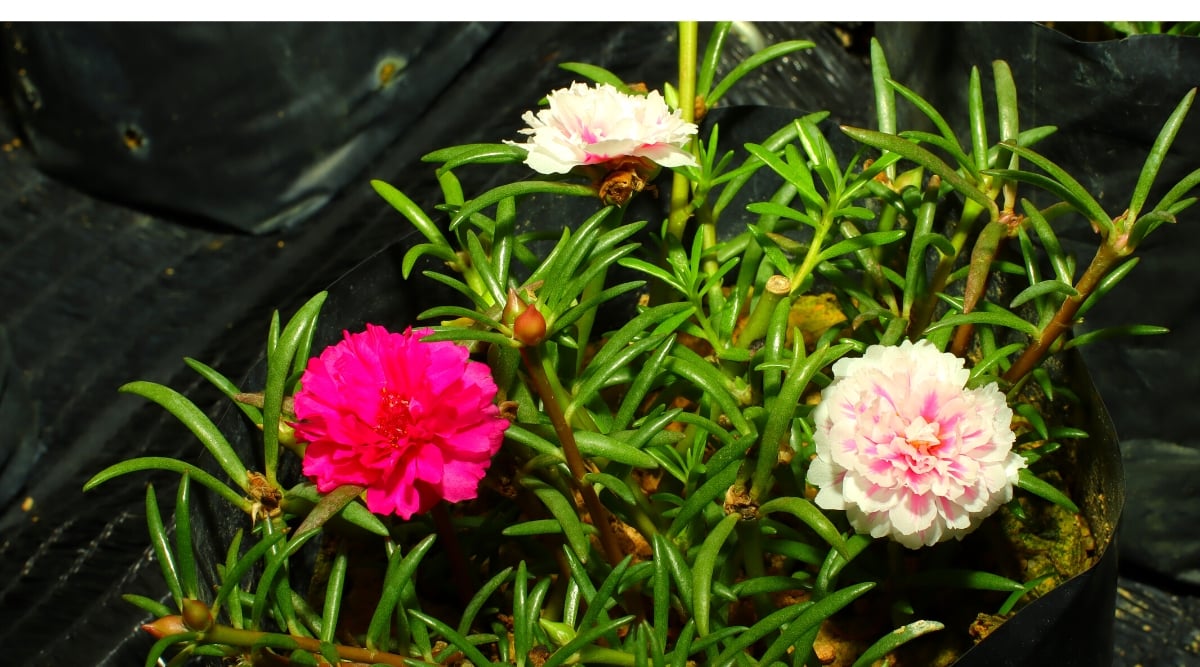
(1043, 489)
(642, 382)
(810, 620)
(353, 513)
(1181, 188)
(162, 547)
(173, 465)
(1106, 284)
(810, 516)
(978, 120)
(519, 189)
(714, 488)
(1042, 288)
(266, 581)
(482, 264)
(752, 63)
(868, 240)
(225, 386)
(597, 74)
(894, 640)
(1123, 331)
(413, 213)
(703, 568)
(705, 376)
(712, 58)
(992, 318)
(453, 637)
(188, 574)
(481, 597)
(149, 605)
(618, 487)
(197, 422)
(534, 527)
(1158, 153)
(933, 163)
(971, 579)
(1068, 188)
(279, 362)
(154, 655)
(458, 156)
(1016, 596)
(465, 334)
(329, 506)
(598, 445)
(605, 594)
(769, 624)
(885, 95)
(929, 111)
(333, 593)
(231, 581)
(562, 509)
(399, 575)
(950, 147)
(583, 639)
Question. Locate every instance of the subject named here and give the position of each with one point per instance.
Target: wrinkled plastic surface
(249, 125)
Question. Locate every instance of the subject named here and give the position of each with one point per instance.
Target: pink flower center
(394, 421)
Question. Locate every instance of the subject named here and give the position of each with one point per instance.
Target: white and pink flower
(907, 450)
(586, 125)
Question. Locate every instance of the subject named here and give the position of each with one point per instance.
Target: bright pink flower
(413, 422)
(907, 450)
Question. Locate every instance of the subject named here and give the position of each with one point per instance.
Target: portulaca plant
(811, 403)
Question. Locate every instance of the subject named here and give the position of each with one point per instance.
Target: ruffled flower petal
(907, 450)
(586, 125)
(411, 421)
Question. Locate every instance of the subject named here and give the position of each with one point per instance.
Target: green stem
(680, 188)
(800, 277)
(920, 296)
(777, 288)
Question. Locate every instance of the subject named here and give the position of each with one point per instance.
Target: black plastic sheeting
(250, 125)
(111, 270)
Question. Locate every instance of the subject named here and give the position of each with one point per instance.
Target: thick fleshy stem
(1106, 259)
(210, 633)
(777, 288)
(445, 528)
(680, 187)
(575, 463)
(987, 246)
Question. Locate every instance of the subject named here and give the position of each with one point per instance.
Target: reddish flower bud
(165, 626)
(530, 327)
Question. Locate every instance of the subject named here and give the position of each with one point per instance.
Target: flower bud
(165, 627)
(530, 327)
(196, 615)
(512, 307)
